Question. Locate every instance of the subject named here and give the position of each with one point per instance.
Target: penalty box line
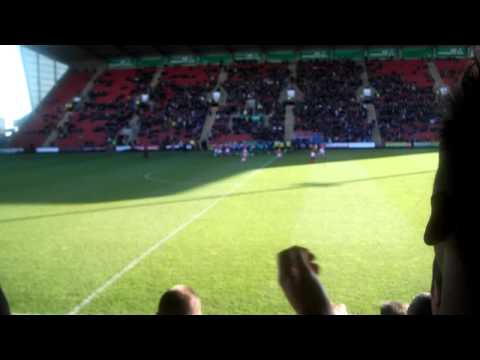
(134, 262)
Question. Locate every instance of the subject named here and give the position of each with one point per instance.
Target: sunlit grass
(70, 222)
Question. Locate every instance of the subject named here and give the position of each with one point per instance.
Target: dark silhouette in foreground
(180, 300)
(451, 220)
(393, 308)
(421, 305)
(4, 308)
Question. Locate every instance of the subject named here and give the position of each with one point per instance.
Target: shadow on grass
(336, 155)
(212, 197)
(97, 178)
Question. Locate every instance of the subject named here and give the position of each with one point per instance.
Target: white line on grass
(155, 246)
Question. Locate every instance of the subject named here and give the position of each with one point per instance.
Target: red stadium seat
(51, 110)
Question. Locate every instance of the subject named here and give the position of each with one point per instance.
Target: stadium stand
(330, 105)
(451, 70)
(262, 82)
(181, 105)
(405, 101)
(110, 104)
(175, 109)
(51, 110)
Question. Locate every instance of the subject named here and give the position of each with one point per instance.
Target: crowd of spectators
(260, 127)
(330, 106)
(109, 117)
(182, 115)
(36, 126)
(175, 110)
(404, 108)
(178, 108)
(223, 122)
(262, 82)
(50, 120)
(254, 106)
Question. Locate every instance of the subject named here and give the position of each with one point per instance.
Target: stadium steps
(451, 70)
(298, 93)
(52, 137)
(372, 117)
(371, 113)
(435, 74)
(134, 123)
(156, 78)
(364, 74)
(210, 119)
(267, 119)
(289, 123)
(293, 69)
(222, 76)
(208, 125)
(364, 78)
(377, 135)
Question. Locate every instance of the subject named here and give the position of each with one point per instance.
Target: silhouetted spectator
(4, 307)
(449, 229)
(393, 308)
(421, 305)
(180, 300)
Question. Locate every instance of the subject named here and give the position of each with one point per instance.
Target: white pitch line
(155, 246)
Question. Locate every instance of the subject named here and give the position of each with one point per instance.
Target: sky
(14, 98)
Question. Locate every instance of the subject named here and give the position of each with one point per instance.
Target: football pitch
(109, 233)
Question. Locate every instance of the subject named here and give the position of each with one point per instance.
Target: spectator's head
(180, 300)
(393, 308)
(452, 278)
(421, 305)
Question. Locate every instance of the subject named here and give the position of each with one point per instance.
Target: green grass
(70, 222)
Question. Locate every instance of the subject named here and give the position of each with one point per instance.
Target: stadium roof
(79, 53)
